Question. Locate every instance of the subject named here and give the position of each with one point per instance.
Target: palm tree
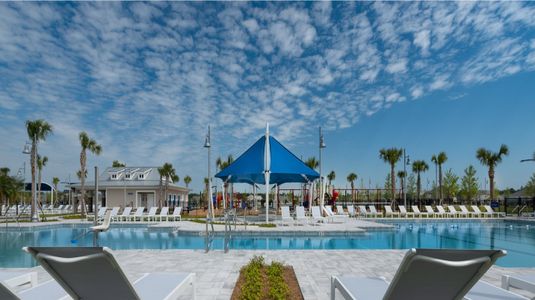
(491, 160)
(419, 166)
(331, 176)
(167, 174)
(351, 177)
(38, 130)
(439, 160)
(55, 182)
(187, 180)
(9, 186)
(90, 144)
(117, 164)
(312, 163)
(41, 162)
(391, 156)
(401, 176)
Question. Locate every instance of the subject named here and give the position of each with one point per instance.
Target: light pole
(321, 146)
(406, 161)
(27, 150)
(209, 191)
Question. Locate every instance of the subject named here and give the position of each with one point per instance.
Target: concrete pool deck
(217, 272)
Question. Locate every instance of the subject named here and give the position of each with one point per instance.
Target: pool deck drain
(217, 272)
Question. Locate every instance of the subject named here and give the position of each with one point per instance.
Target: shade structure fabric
(284, 166)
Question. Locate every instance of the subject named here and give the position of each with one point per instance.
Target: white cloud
(399, 66)
(160, 72)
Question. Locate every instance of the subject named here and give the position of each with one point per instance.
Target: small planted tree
(451, 185)
(469, 186)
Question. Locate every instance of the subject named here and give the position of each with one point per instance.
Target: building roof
(130, 177)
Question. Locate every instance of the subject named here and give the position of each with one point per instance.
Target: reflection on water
(518, 240)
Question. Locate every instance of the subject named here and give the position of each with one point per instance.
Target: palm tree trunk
(34, 151)
(166, 187)
(491, 182)
(440, 195)
(393, 187)
(39, 196)
(160, 192)
(418, 184)
(82, 180)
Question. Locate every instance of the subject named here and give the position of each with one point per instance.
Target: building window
(141, 176)
(113, 176)
(127, 176)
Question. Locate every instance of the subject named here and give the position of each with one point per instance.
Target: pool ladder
(230, 219)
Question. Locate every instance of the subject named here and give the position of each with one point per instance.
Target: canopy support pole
(267, 167)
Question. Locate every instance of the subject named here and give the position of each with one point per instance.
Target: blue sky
(145, 79)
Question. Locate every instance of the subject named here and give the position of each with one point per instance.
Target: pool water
(517, 238)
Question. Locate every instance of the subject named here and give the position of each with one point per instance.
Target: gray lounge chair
(423, 274)
(521, 281)
(93, 273)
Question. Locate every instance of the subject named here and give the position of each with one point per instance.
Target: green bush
(278, 288)
(72, 217)
(252, 272)
(268, 225)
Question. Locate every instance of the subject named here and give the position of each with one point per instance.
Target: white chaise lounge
(389, 212)
(93, 273)
(404, 213)
(520, 281)
(418, 213)
(286, 218)
(423, 274)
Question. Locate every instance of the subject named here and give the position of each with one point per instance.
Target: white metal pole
(267, 166)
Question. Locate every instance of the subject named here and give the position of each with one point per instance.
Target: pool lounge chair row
(435, 274)
(90, 273)
(324, 214)
(450, 211)
(127, 216)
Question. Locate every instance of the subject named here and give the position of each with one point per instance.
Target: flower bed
(259, 281)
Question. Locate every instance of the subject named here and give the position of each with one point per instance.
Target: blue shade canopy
(285, 166)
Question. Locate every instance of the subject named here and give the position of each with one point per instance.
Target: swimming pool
(515, 237)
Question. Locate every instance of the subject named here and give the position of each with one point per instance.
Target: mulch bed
(289, 278)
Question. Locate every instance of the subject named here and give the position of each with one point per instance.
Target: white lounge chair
(422, 274)
(105, 224)
(492, 212)
(442, 212)
(164, 213)
(340, 211)
(404, 213)
(389, 212)
(374, 211)
(351, 211)
(520, 281)
(114, 213)
(316, 214)
(125, 215)
(286, 218)
(17, 278)
(363, 212)
(300, 215)
(93, 273)
(332, 216)
(418, 213)
(464, 212)
(100, 213)
(486, 291)
(152, 214)
(176, 213)
(452, 211)
(430, 211)
(47, 290)
(138, 214)
(476, 210)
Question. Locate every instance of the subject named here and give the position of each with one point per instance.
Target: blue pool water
(517, 238)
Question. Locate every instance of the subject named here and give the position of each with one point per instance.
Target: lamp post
(27, 150)
(321, 146)
(406, 162)
(207, 145)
